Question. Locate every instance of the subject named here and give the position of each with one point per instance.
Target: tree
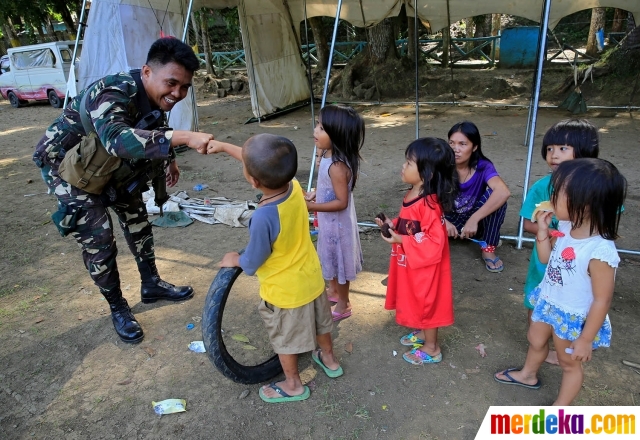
(382, 44)
(206, 45)
(633, 39)
(619, 15)
(321, 41)
(597, 23)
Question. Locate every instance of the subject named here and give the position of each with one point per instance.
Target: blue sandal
(412, 340)
(423, 358)
(495, 269)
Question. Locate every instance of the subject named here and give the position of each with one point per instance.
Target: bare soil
(65, 374)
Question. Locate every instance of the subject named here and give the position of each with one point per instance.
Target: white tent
(119, 33)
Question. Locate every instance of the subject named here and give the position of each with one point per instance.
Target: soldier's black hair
(271, 160)
(167, 50)
(579, 134)
(595, 190)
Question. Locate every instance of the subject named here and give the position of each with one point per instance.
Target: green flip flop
(284, 396)
(315, 355)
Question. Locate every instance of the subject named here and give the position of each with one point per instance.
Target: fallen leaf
(240, 338)
(244, 394)
(348, 347)
(249, 347)
(307, 375)
(150, 351)
(159, 338)
(40, 319)
(480, 348)
(472, 371)
(37, 297)
(79, 317)
(125, 382)
(384, 407)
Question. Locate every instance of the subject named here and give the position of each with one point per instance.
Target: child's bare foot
(271, 391)
(513, 376)
(552, 358)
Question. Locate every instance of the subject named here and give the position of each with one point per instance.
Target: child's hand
(452, 231)
(231, 259)
(544, 220)
(582, 350)
(394, 237)
(310, 196)
(214, 147)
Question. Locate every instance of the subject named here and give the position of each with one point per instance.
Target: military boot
(123, 320)
(154, 288)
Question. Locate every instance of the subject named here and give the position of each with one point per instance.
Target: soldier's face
(166, 85)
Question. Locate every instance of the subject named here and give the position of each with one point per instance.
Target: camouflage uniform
(112, 107)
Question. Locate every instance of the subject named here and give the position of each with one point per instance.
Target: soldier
(120, 108)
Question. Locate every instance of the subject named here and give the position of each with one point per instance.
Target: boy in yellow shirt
(294, 305)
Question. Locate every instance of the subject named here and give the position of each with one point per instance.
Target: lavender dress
(338, 239)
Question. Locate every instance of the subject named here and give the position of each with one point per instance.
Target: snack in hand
(545, 206)
(384, 229)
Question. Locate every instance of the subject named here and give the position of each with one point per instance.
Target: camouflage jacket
(112, 107)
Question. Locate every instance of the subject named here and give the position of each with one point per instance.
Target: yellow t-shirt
(280, 252)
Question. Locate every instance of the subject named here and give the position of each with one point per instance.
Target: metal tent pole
(75, 51)
(185, 30)
(415, 50)
(542, 44)
(326, 85)
(309, 73)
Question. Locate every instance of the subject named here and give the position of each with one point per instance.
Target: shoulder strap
(84, 117)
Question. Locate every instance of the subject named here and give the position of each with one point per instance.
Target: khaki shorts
(293, 331)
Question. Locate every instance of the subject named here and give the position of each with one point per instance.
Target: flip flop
(338, 316)
(423, 358)
(315, 355)
(411, 339)
(333, 299)
(494, 262)
(284, 396)
(513, 381)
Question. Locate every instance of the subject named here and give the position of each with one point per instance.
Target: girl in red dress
(419, 285)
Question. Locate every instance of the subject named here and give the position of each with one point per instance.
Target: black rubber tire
(13, 99)
(54, 99)
(212, 334)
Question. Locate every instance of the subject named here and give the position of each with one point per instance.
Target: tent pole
(306, 35)
(75, 51)
(542, 44)
(185, 30)
(186, 21)
(326, 85)
(415, 53)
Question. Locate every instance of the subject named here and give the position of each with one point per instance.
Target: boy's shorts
(293, 331)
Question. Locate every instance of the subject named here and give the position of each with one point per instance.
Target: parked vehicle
(38, 72)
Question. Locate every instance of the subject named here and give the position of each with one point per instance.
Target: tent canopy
(124, 30)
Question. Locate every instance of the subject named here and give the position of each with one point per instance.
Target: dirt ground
(65, 374)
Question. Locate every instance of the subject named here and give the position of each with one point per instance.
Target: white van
(38, 72)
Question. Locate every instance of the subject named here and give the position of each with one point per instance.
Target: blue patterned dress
(564, 296)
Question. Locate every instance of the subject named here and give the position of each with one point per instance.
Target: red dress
(419, 285)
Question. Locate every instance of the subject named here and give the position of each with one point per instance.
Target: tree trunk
(470, 28)
(197, 40)
(633, 39)
(41, 36)
(412, 32)
(11, 34)
(597, 23)
(496, 26)
(446, 46)
(50, 31)
(68, 20)
(320, 39)
(206, 46)
(619, 16)
(381, 42)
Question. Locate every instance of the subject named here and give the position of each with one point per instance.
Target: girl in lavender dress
(338, 136)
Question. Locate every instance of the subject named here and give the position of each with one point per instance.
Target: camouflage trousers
(92, 227)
